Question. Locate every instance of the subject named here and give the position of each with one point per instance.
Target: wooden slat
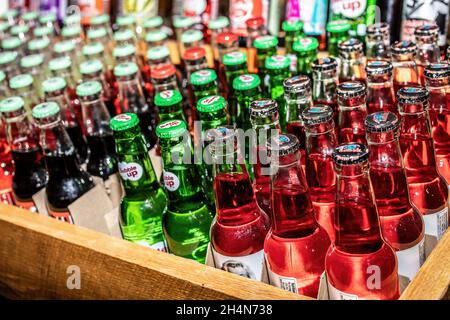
(36, 251)
(432, 282)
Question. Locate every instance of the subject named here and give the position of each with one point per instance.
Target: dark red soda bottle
(321, 140)
(405, 68)
(360, 264)
(427, 189)
(67, 180)
(30, 175)
(380, 89)
(428, 50)
(401, 224)
(296, 246)
(352, 111)
(438, 85)
(240, 226)
(351, 66)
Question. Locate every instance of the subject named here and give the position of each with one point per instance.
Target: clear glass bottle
(428, 50)
(380, 88)
(351, 67)
(378, 42)
(403, 61)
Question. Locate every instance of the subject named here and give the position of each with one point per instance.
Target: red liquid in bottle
(405, 68)
(298, 129)
(6, 168)
(380, 90)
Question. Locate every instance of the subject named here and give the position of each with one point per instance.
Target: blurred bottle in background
(389, 13)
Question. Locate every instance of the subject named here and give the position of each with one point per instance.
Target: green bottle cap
(59, 63)
(21, 81)
(246, 82)
(306, 44)
(11, 104)
(8, 57)
(211, 104)
(11, 43)
(44, 110)
(154, 22)
(190, 36)
(124, 121)
(2, 76)
(126, 69)
(46, 18)
(91, 66)
(64, 46)
(38, 44)
(31, 61)
(219, 23)
(338, 26)
(265, 42)
(93, 48)
(181, 22)
(157, 53)
(70, 31)
(123, 35)
(168, 98)
(203, 77)
(99, 19)
(126, 20)
(234, 58)
(154, 36)
(96, 33)
(43, 31)
(124, 51)
(18, 29)
(54, 84)
(11, 13)
(292, 25)
(89, 88)
(73, 19)
(31, 15)
(277, 62)
(171, 129)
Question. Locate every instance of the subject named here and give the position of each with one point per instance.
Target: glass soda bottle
(215, 27)
(156, 56)
(296, 246)
(67, 181)
(102, 160)
(29, 175)
(360, 264)
(351, 67)
(352, 112)
(226, 42)
(235, 64)
(428, 50)
(125, 53)
(66, 48)
(401, 224)
(63, 67)
(34, 65)
(169, 104)
(405, 68)
(247, 88)
(240, 226)
(380, 88)
(437, 77)
(55, 91)
(255, 29)
(144, 201)
(23, 86)
(6, 165)
(163, 77)
(187, 221)
(321, 140)
(337, 33)
(102, 21)
(293, 29)
(266, 46)
(306, 50)
(9, 63)
(204, 83)
(130, 98)
(40, 46)
(427, 189)
(378, 42)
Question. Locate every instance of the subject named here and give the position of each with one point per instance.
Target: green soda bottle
(306, 50)
(235, 64)
(293, 29)
(188, 219)
(278, 68)
(247, 87)
(169, 103)
(145, 201)
(266, 46)
(204, 83)
(337, 32)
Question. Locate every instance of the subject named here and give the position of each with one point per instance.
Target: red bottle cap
(163, 71)
(255, 22)
(194, 53)
(226, 38)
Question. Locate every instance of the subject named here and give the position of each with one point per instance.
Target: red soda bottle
(255, 29)
(380, 89)
(227, 42)
(296, 246)
(427, 189)
(428, 50)
(405, 68)
(6, 166)
(321, 140)
(438, 84)
(265, 121)
(352, 111)
(402, 225)
(30, 175)
(239, 229)
(351, 67)
(360, 264)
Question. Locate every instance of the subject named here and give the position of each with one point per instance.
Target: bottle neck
(131, 96)
(54, 139)
(384, 149)
(95, 116)
(67, 114)
(21, 133)
(296, 104)
(324, 86)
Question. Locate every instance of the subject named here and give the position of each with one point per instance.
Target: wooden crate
(36, 252)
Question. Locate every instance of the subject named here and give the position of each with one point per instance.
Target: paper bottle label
(336, 294)
(349, 8)
(250, 266)
(63, 216)
(171, 181)
(282, 282)
(27, 205)
(130, 171)
(410, 260)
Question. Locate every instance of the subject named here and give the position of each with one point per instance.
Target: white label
(437, 223)
(282, 282)
(130, 171)
(171, 181)
(250, 266)
(349, 8)
(159, 246)
(410, 260)
(194, 7)
(336, 294)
